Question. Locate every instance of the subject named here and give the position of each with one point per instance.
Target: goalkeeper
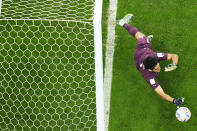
(148, 62)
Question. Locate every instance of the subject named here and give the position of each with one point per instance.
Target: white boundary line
(98, 65)
(109, 58)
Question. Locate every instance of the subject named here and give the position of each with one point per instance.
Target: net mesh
(47, 66)
(81, 10)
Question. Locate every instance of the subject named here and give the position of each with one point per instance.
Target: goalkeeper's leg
(134, 32)
(131, 29)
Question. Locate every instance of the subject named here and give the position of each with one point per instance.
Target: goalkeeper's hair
(150, 62)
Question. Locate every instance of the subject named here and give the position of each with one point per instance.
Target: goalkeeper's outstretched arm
(163, 95)
(174, 58)
(178, 102)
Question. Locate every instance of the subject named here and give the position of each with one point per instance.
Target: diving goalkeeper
(148, 62)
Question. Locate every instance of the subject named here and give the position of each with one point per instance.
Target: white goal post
(98, 65)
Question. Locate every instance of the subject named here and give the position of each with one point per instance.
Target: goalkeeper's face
(157, 68)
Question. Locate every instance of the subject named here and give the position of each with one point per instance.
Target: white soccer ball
(183, 114)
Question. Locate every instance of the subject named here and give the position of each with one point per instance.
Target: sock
(132, 30)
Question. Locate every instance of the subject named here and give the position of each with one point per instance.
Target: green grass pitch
(134, 105)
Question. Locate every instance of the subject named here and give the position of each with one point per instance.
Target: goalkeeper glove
(170, 67)
(178, 102)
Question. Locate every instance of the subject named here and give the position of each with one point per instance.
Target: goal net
(47, 66)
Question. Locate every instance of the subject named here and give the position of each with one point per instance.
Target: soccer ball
(183, 114)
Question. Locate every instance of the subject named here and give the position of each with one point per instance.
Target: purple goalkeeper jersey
(143, 50)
